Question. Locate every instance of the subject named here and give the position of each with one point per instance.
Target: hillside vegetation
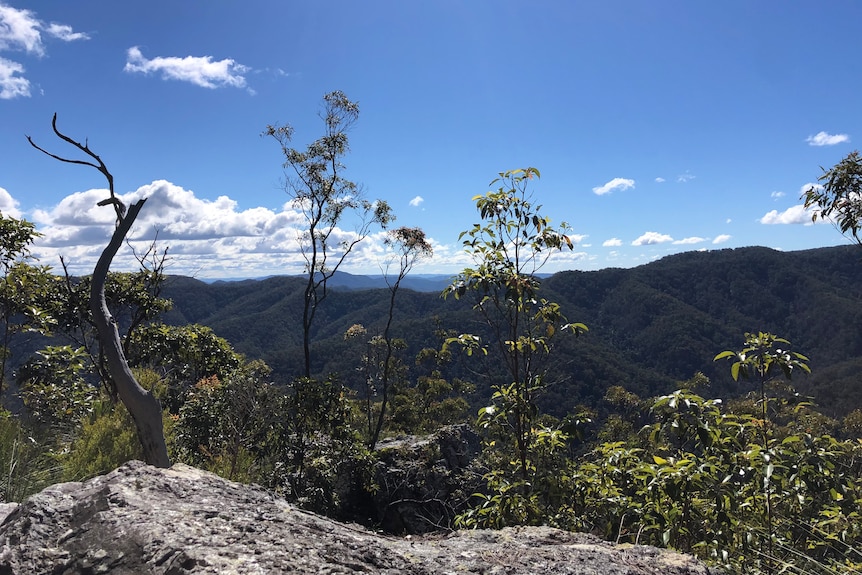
(651, 327)
(670, 404)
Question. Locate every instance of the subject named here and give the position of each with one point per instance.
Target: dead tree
(143, 406)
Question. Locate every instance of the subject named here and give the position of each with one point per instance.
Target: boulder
(141, 519)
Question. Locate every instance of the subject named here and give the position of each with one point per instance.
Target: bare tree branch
(119, 207)
(143, 406)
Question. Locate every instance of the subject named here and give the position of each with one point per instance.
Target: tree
(24, 288)
(840, 196)
(182, 355)
(143, 406)
(133, 299)
(763, 360)
(410, 246)
(317, 187)
(510, 246)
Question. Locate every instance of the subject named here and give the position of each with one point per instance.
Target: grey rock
(141, 519)
(423, 481)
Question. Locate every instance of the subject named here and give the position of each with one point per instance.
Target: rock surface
(422, 480)
(140, 519)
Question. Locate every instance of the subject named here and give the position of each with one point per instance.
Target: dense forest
(651, 327)
(707, 402)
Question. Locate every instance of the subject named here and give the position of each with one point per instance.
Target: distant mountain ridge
(650, 327)
(345, 280)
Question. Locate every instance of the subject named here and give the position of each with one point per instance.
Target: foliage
(107, 440)
(53, 389)
(699, 483)
(296, 439)
(432, 401)
(509, 248)
(183, 355)
(761, 360)
(410, 246)
(26, 466)
(839, 198)
(227, 426)
(133, 300)
(324, 196)
(24, 288)
(322, 456)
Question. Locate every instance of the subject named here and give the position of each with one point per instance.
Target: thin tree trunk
(143, 406)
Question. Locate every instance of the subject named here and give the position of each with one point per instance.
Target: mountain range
(650, 327)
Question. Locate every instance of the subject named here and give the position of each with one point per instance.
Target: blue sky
(658, 127)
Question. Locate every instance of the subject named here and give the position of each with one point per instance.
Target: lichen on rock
(178, 521)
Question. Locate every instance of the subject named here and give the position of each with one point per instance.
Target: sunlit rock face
(141, 519)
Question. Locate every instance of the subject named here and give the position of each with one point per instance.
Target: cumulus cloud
(720, 239)
(652, 238)
(417, 201)
(826, 139)
(12, 85)
(776, 195)
(199, 70)
(8, 204)
(21, 30)
(792, 215)
(659, 180)
(613, 242)
(690, 240)
(207, 238)
(620, 184)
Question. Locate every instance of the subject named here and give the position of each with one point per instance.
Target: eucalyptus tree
(143, 406)
(511, 244)
(839, 198)
(409, 246)
(315, 182)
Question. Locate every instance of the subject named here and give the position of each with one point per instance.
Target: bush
(25, 467)
(107, 440)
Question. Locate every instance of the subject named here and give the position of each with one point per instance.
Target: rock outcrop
(140, 519)
(422, 480)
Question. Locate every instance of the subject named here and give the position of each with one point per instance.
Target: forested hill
(650, 327)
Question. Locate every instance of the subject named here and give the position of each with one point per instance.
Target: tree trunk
(143, 406)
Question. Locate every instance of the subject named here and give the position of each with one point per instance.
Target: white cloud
(20, 30)
(207, 238)
(8, 204)
(683, 178)
(417, 201)
(615, 184)
(613, 242)
(659, 180)
(776, 195)
(720, 239)
(64, 32)
(12, 85)
(690, 240)
(792, 215)
(826, 139)
(199, 70)
(651, 238)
